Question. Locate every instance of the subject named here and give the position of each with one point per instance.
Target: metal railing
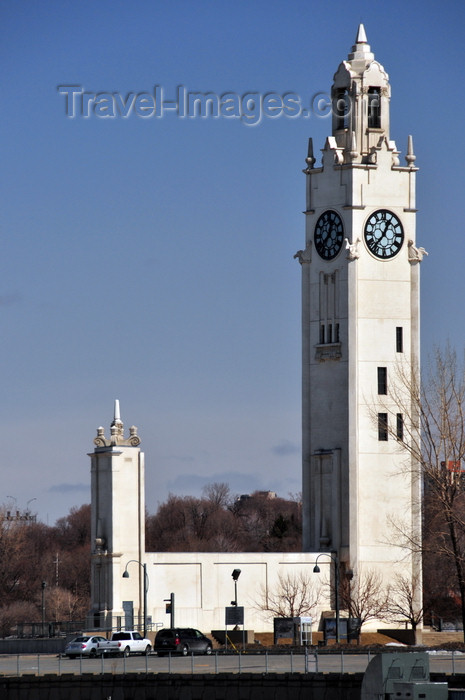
(306, 662)
(64, 628)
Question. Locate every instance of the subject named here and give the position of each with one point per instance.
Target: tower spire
(117, 415)
(360, 95)
(361, 37)
(361, 50)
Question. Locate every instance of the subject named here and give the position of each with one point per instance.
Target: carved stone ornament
(415, 254)
(304, 256)
(352, 249)
(329, 351)
(117, 436)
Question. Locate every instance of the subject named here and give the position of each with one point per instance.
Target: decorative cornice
(117, 437)
(117, 433)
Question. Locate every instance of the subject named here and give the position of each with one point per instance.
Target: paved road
(217, 663)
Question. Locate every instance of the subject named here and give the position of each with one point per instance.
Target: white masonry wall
(203, 585)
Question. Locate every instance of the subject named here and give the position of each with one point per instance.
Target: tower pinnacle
(117, 415)
(360, 95)
(361, 50)
(361, 35)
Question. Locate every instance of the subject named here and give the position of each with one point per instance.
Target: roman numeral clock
(329, 233)
(384, 234)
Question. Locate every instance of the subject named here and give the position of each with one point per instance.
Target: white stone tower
(360, 321)
(117, 525)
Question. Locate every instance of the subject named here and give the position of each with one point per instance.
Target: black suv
(181, 640)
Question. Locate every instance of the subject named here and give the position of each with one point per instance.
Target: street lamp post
(316, 570)
(235, 574)
(44, 585)
(146, 586)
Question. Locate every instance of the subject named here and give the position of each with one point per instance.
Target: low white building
(202, 583)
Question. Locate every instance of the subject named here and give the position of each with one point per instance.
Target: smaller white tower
(117, 525)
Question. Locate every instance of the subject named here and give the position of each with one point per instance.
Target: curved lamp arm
(316, 570)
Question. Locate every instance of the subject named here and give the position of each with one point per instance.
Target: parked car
(183, 641)
(125, 643)
(85, 645)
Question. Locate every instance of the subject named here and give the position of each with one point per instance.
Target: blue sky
(151, 259)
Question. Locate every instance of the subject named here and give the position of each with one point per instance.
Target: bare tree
(14, 613)
(364, 597)
(433, 434)
(63, 604)
(402, 605)
(218, 493)
(294, 596)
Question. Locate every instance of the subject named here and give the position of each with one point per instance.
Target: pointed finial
(410, 157)
(310, 159)
(361, 50)
(361, 35)
(117, 428)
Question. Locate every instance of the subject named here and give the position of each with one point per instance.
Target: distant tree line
(32, 553)
(221, 522)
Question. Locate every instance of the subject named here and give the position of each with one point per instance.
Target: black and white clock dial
(329, 234)
(384, 234)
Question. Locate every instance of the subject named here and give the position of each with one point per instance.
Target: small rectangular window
(382, 426)
(400, 426)
(399, 339)
(336, 333)
(382, 380)
(330, 333)
(322, 334)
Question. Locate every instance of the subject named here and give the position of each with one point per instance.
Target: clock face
(329, 233)
(384, 234)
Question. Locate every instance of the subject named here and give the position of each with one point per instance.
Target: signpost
(170, 609)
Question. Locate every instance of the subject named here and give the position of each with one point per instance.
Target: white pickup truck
(125, 643)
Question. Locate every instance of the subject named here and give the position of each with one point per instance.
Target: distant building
(24, 516)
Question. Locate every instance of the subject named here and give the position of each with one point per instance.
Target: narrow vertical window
(342, 109)
(382, 380)
(382, 426)
(400, 426)
(322, 334)
(336, 333)
(330, 333)
(399, 339)
(374, 108)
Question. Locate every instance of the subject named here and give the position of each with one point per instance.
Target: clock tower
(360, 330)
